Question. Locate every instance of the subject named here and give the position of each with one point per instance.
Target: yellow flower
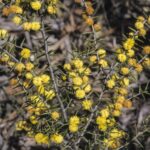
(77, 63)
(140, 18)
(25, 53)
(20, 125)
(28, 75)
(74, 120)
(55, 115)
(100, 120)
(86, 71)
(87, 104)
(41, 89)
(122, 57)
(16, 9)
(110, 83)
(101, 53)
(93, 59)
(34, 98)
(29, 66)
(87, 88)
(36, 5)
(103, 63)
(115, 133)
(26, 26)
(77, 81)
(102, 127)
(142, 32)
(19, 67)
(51, 9)
(41, 138)
(80, 94)
(139, 25)
(37, 81)
(128, 44)
(123, 91)
(111, 122)
(138, 68)
(67, 67)
(35, 26)
(3, 33)
(50, 94)
(118, 106)
(85, 79)
(111, 143)
(130, 53)
(73, 128)
(45, 78)
(116, 113)
(57, 138)
(120, 99)
(16, 20)
(132, 61)
(125, 82)
(146, 50)
(146, 62)
(125, 70)
(89, 21)
(33, 120)
(5, 57)
(105, 113)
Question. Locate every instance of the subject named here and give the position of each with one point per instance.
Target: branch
(52, 72)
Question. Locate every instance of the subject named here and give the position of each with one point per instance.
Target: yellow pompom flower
(102, 127)
(73, 128)
(85, 79)
(67, 66)
(33, 119)
(26, 26)
(4, 58)
(77, 63)
(74, 120)
(37, 81)
(118, 106)
(142, 32)
(146, 50)
(41, 89)
(55, 115)
(51, 9)
(45, 78)
(36, 5)
(124, 70)
(103, 63)
(19, 67)
(16, 9)
(146, 62)
(50, 94)
(125, 82)
(29, 66)
(110, 83)
(128, 44)
(3, 33)
(25, 53)
(93, 59)
(115, 133)
(89, 21)
(116, 113)
(35, 26)
(41, 138)
(100, 120)
(139, 25)
(87, 104)
(16, 20)
(132, 61)
(105, 113)
(122, 57)
(138, 68)
(130, 53)
(28, 75)
(77, 81)
(102, 53)
(80, 94)
(21, 125)
(57, 138)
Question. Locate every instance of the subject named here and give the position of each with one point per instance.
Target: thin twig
(52, 72)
